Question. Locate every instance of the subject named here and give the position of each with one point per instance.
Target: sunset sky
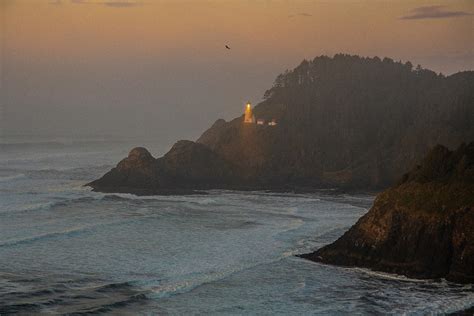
(160, 68)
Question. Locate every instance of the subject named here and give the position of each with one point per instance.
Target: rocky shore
(423, 227)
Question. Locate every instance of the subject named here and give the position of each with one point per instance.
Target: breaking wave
(64, 233)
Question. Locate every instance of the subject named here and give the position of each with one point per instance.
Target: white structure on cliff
(249, 117)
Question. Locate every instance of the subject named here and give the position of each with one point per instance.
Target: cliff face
(185, 167)
(345, 121)
(423, 227)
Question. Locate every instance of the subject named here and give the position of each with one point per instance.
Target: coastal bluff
(423, 227)
(187, 166)
(347, 122)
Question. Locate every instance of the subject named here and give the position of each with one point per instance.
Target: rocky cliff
(346, 121)
(187, 166)
(423, 227)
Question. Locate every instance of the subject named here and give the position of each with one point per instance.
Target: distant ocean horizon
(65, 249)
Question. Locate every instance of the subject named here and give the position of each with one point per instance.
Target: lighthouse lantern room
(249, 117)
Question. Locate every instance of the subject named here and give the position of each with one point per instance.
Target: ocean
(67, 250)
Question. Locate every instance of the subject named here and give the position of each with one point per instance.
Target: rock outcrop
(423, 227)
(187, 166)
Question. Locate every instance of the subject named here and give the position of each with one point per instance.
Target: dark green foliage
(371, 116)
(443, 165)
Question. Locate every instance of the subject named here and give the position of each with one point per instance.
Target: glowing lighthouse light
(249, 117)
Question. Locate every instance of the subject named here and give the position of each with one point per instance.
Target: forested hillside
(349, 121)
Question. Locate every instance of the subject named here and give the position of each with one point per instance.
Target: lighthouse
(249, 117)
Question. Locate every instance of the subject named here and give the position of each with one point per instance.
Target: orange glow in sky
(162, 67)
(256, 30)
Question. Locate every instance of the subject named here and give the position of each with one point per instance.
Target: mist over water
(64, 249)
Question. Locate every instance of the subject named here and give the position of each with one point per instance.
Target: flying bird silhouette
(227, 47)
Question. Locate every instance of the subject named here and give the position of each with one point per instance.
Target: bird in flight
(227, 47)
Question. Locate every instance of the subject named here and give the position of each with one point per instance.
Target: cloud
(112, 3)
(433, 12)
(303, 14)
(121, 4)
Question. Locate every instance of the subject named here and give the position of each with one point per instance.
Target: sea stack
(423, 227)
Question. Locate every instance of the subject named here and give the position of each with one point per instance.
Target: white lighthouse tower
(249, 117)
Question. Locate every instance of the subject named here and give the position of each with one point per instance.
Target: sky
(159, 69)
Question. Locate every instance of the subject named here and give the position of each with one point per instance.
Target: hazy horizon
(161, 70)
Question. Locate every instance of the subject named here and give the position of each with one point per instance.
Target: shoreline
(203, 191)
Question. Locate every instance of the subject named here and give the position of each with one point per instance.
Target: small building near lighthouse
(272, 122)
(249, 117)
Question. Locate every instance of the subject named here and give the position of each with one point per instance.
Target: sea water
(65, 249)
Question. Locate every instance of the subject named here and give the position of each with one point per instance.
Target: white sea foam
(222, 252)
(70, 232)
